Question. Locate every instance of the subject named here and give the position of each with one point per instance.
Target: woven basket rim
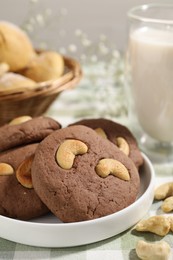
(69, 79)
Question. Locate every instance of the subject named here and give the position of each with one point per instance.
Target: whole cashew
(20, 120)
(167, 205)
(101, 132)
(23, 173)
(153, 251)
(6, 169)
(123, 145)
(171, 222)
(120, 141)
(114, 167)
(67, 151)
(163, 191)
(159, 225)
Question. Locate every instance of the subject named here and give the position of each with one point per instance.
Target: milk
(151, 56)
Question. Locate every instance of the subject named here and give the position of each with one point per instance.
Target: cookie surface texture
(17, 201)
(118, 134)
(31, 131)
(65, 178)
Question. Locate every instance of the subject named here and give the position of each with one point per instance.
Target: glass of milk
(149, 78)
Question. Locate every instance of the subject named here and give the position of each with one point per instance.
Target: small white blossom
(103, 49)
(62, 50)
(115, 54)
(78, 32)
(72, 48)
(86, 42)
(94, 58)
(103, 37)
(40, 19)
(29, 28)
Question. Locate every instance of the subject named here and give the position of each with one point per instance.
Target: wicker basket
(35, 102)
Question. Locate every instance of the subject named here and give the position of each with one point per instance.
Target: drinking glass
(149, 78)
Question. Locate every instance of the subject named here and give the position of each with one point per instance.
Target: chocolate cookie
(18, 133)
(16, 200)
(81, 176)
(117, 134)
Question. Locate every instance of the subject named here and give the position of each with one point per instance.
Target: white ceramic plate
(48, 231)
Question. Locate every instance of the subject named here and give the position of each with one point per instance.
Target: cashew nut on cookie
(111, 166)
(67, 151)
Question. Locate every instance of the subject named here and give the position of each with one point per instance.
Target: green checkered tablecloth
(67, 110)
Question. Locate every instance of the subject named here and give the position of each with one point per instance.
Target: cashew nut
(114, 167)
(20, 120)
(163, 191)
(171, 222)
(23, 173)
(101, 132)
(123, 145)
(121, 142)
(67, 151)
(153, 251)
(6, 169)
(159, 225)
(167, 205)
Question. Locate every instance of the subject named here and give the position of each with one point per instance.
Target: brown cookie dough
(33, 130)
(17, 201)
(117, 134)
(69, 181)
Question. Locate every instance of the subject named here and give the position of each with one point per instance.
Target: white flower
(29, 28)
(116, 54)
(103, 49)
(72, 48)
(62, 50)
(86, 42)
(78, 32)
(40, 19)
(103, 37)
(94, 58)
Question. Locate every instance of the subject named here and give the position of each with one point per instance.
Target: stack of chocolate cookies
(87, 170)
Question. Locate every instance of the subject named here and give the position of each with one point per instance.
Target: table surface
(71, 106)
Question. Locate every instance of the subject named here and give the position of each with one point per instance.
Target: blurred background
(72, 25)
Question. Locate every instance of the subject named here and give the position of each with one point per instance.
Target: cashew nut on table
(159, 225)
(153, 251)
